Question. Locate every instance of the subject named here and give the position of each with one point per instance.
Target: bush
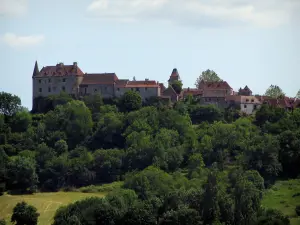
(297, 209)
(2, 222)
(103, 188)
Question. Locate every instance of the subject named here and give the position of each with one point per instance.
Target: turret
(36, 70)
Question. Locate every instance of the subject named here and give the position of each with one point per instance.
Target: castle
(52, 80)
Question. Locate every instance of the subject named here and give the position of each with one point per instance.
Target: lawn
(280, 197)
(46, 203)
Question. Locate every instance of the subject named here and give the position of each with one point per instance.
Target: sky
(246, 42)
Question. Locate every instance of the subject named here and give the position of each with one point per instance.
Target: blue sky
(247, 42)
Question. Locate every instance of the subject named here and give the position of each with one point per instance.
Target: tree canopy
(274, 91)
(9, 104)
(208, 76)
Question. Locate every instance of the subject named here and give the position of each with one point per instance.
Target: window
(255, 107)
(40, 81)
(146, 89)
(63, 88)
(247, 100)
(49, 89)
(84, 90)
(137, 89)
(245, 106)
(95, 90)
(40, 89)
(49, 80)
(252, 100)
(132, 89)
(118, 89)
(64, 80)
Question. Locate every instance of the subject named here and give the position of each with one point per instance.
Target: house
(245, 91)
(248, 104)
(284, 102)
(171, 93)
(195, 92)
(52, 80)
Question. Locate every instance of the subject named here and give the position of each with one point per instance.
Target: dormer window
(247, 100)
(252, 100)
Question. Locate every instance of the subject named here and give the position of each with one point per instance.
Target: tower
(174, 76)
(36, 70)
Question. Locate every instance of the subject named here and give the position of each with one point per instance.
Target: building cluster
(51, 80)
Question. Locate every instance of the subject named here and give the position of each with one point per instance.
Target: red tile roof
(61, 70)
(99, 78)
(192, 91)
(243, 99)
(284, 102)
(216, 85)
(137, 84)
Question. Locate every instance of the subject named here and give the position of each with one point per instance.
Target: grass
(284, 196)
(46, 203)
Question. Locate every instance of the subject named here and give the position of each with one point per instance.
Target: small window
(137, 89)
(132, 89)
(252, 100)
(146, 89)
(95, 90)
(255, 107)
(118, 89)
(63, 88)
(40, 89)
(64, 80)
(209, 99)
(49, 89)
(247, 100)
(49, 80)
(85, 90)
(40, 81)
(245, 106)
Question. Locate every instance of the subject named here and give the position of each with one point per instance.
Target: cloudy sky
(247, 42)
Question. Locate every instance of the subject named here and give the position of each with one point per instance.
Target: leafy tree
(195, 164)
(298, 95)
(297, 209)
(61, 147)
(131, 100)
(9, 104)
(177, 86)
(202, 113)
(2, 222)
(93, 102)
(21, 121)
(207, 76)
(24, 214)
(22, 174)
(181, 216)
(274, 91)
(272, 217)
(74, 118)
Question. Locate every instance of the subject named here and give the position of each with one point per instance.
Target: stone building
(52, 80)
(245, 91)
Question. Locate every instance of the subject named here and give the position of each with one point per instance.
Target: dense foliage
(181, 164)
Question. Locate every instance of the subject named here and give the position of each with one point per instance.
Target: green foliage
(131, 100)
(274, 91)
(207, 76)
(93, 102)
(177, 86)
(2, 222)
(21, 121)
(202, 113)
(24, 214)
(9, 104)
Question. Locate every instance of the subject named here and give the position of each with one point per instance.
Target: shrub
(297, 209)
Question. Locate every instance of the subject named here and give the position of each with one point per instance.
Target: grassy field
(46, 203)
(280, 197)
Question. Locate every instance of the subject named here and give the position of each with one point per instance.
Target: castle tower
(174, 76)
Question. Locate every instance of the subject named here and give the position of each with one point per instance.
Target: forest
(178, 164)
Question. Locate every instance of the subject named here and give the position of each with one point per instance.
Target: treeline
(181, 164)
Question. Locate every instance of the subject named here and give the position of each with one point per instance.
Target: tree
(22, 174)
(2, 222)
(9, 104)
(93, 102)
(274, 91)
(177, 86)
(298, 95)
(21, 121)
(207, 76)
(24, 214)
(132, 100)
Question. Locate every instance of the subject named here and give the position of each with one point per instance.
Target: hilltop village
(51, 80)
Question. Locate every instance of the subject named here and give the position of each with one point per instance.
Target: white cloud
(259, 13)
(13, 7)
(18, 42)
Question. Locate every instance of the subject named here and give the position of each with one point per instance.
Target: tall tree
(9, 104)
(274, 91)
(207, 76)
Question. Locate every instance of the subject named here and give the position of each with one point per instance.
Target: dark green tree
(24, 214)
(177, 86)
(131, 100)
(9, 104)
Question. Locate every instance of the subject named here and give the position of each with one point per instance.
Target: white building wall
(249, 108)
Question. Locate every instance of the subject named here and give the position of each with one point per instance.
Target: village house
(247, 104)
